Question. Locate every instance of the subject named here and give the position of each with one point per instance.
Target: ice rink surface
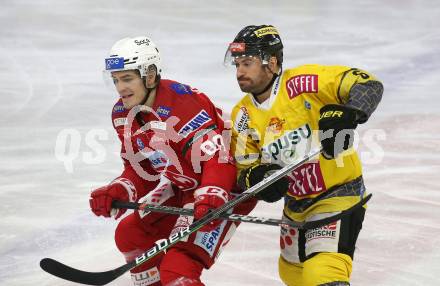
(52, 55)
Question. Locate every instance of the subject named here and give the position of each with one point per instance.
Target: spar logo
(210, 240)
(283, 148)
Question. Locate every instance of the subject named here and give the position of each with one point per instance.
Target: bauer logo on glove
(336, 125)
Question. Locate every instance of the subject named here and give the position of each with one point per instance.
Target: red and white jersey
(181, 137)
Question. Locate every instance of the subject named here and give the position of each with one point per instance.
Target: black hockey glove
(336, 125)
(253, 175)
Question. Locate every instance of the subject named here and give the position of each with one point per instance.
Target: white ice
(51, 58)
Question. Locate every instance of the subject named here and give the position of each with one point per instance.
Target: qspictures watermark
(70, 143)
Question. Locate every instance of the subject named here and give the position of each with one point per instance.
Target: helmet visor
(112, 64)
(236, 50)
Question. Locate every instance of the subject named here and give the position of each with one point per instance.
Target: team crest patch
(276, 125)
(181, 88)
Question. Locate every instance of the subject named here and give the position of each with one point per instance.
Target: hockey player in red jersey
(173, 150)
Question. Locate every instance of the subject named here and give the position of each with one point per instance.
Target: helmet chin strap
(269, 85)
(147, 95)
(138, 116)
(149, 90)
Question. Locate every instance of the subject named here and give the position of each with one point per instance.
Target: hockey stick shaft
(237, 217)
(101, 278)
(190, 212)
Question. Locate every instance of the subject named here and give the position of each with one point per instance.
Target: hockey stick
(101, 278)
(190, 212)
(243, 218)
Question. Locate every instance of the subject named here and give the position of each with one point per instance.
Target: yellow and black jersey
(285, 127)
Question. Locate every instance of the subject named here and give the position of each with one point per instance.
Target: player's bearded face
(251, 75)
(130, 87)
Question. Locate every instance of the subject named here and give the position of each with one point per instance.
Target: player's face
(130, 87)
(251, 75)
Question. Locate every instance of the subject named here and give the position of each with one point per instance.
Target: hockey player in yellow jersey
(285, 113)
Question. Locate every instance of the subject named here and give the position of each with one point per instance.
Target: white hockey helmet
(137, 53)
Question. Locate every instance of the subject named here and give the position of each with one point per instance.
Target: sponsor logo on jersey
(209, 240)
(195, 123)
(163, 111)
(306, 180)
(241, 120)
(304, 83)
(114, 63)
(283, 148)
(146, 277)
(120, 121)
(327, 231)
(275, 125)
(181, 88)
(158, 159)
(118, 108)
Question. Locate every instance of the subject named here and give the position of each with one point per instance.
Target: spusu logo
(283, 148)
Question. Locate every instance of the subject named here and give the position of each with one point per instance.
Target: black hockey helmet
(263, 41)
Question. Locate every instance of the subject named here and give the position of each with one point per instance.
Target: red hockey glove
(209, 198)
(101, 199)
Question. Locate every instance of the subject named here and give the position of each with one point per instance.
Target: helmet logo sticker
(237, 47)
(266, 31)
(114, 63)
(141, 42)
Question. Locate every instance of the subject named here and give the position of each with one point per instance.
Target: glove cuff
(128, 186)
(211, 191)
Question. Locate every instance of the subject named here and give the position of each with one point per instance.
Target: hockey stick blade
(63, 271)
